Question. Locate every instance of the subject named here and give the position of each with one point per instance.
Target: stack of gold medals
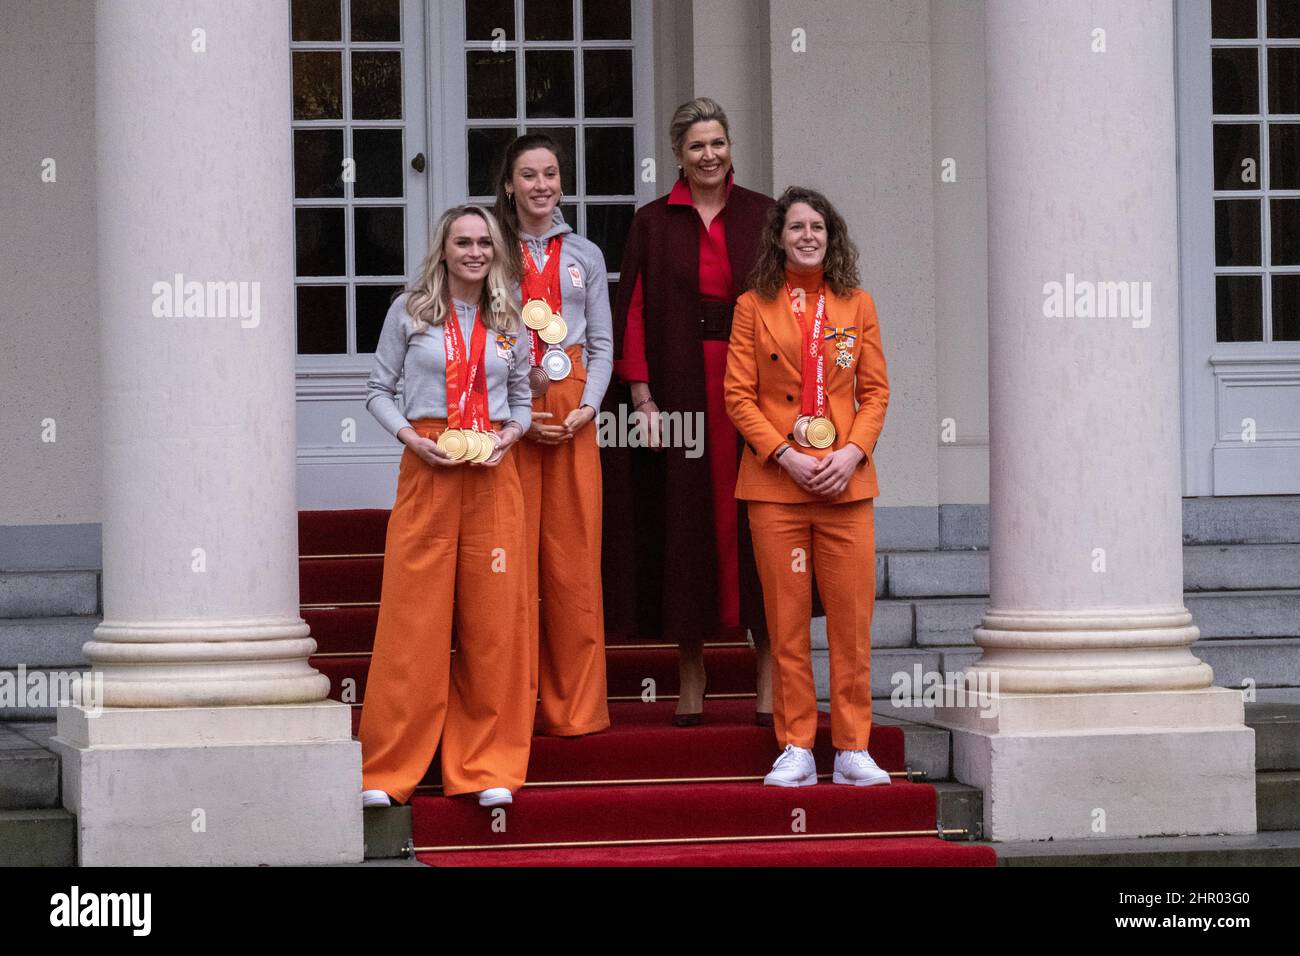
(467, 444)
(551, 329)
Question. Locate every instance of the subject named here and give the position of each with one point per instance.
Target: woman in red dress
(691, 573)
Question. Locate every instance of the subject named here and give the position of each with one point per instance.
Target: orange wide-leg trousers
(562, 503)
(455, 554)
(839, 542)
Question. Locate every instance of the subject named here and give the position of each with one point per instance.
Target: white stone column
(1104, 723)
(211, 708)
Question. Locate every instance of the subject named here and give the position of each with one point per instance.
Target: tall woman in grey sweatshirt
(455, 548)
(565, 300)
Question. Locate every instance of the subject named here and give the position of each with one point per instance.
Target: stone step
(1277, 800)
(45, 641)
(31, 693)
(1246, 613)
(1254, 519)
(1255, 849)
(38, 838)
(48, 593)
(1277, 735)
(29, 773)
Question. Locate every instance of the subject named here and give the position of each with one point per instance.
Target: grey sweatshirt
(420, 360)
(584, 306)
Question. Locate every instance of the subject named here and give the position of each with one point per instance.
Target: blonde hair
(699, 110)
(427, 300)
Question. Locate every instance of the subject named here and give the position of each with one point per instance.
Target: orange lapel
(782, 326)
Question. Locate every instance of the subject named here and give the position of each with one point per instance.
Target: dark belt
(715, 320)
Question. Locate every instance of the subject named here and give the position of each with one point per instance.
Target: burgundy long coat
(659, 557)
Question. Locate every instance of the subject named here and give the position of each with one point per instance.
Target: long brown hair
(840, 265)
(504, 208)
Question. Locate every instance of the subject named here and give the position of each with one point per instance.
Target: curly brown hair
(840, 265)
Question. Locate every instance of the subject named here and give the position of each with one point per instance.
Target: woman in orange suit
(806, 386)
(455, 551)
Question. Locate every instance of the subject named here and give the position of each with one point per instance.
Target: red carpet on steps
(635, 782)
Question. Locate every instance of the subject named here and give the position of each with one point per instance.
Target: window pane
(1237, 239)
(1234, 145)
(1284, 155)
(607, 83)
(318, 163)
(490, 84)
(317, 20)
(379, 240)
(487, 147)
(376, 85)
(1236, 80)
(606, 19)
(1239, 308)
(376, 20)
(566, 136)
(322, 320)
(1284, 80)
(1283, 18)
(1232, 19)
(319, 239)
(609, 163)
(548, 82)
(1286, 308)
(484, 16)
(607, 227)
(317, 85)
(570, 214)
(1284, 230)
(548, 20)
(378, 153)
(372, 306)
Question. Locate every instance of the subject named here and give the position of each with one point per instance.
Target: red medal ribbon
(542, 285)
(470, 400)
(814, 360)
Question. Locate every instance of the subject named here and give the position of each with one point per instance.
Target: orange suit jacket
(763, 391)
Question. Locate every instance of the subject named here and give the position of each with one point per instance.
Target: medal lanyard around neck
(543, 284)
(814, 360)
(470, 399)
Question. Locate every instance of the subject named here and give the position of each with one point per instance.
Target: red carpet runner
(648, 793)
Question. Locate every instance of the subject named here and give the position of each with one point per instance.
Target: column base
(1108, 765)
(228, 786)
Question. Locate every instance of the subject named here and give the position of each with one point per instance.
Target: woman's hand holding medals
(826, 477)
(459, 446)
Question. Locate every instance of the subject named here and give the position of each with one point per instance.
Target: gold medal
(555, 332)
(473, 444)
(537, 314)
(488, 446)
(452, 444)
(821, 433)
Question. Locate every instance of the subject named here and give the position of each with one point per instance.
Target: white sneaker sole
(870, 782)
(495, 801)
(808, 781)
(375, 798)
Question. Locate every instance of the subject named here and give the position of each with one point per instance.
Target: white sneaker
(794, 768)
(857, 768)
(494, 797)
(375, 798)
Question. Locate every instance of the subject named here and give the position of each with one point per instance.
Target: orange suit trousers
(455, 555)
(562, 504)
(837, 541)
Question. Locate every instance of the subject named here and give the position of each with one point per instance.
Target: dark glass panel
(607, 19)
(379, 240)
(607, 83)
(490, 84)
(1233, 19)
(566, 136)
(318, 235)
(380, 171)
(1236, 80)
(1239, 308)
(1233, 144)
(607, 227)
(322, 320)
(376, 85)
(1237, 239)
(318, 163)
(609, 161)
(1284, 155)
(484, 16)
(1283, 18)
(376, 21)
(487, 147)
(1284, 80)
(548, 83)
(570, 214)
(316, 20)
(1286, 308)
(371, 308)
(1284, 231)
(317, 85)
(548, 20)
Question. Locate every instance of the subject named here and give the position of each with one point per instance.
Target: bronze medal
(800, 430)
(538, 381)
(821, 432)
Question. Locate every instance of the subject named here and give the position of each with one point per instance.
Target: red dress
(720, 434)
